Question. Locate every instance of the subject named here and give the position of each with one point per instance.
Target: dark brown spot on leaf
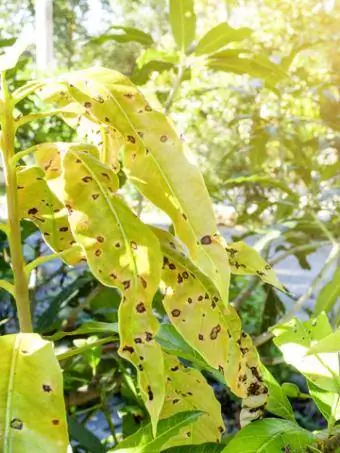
(98, 252)
(206, 240)
(148, 108)
(175, 312)
(140, 307)
(126, 284)
(200, 337)
(16, 423)
(189, 300)
(140, 367)
(174, 368)
(131, 139)
(87, 179)
(95, 196)
(55, 422)
(32, 211)
(100, 239)
(172, 266)
(148, 336)
(163, 138)
(179, 278)
(87, 105)
(128, 349)
(150, 394)
(185, 275)
(47, 388)
(175, 401)
(63, 229)
(214, 332)
(143, 282)
(138, 340)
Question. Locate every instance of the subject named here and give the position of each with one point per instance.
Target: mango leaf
(244, 260)
(183, 22)
(328, 403)
(186, 390)
(30, 372)
(143, 441)
(270, 435)
(329, 294)
(11, 55)
(123, 35)
(278, 402)
(212, 329)
(294, 339)
(220, 36)
(87, 328)
(330, 343)
(155, 162)
(121, 252)
(202, 448)
(84, 436)
(39, 204)
(258, 66)
(153, 60)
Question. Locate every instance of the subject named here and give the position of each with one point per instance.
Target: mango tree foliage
(32, 412)
(121, 252)
(156, 162)
(187, 390)
(183, 22)
(195, 308)
(270, 435)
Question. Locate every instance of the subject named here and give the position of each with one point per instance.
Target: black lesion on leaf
(138, 340)
(189, 300)
(32, 211)
(220, 368)
(221, 429)
(254, 389)
(172, 266)
(256, 373)
(175, 368)
(267, 267)
(106, 176)
(131, 139)
(140, 307)
(200, 298)
(87, 179)
(140, 367)
(260, 274)
(117, 245)
(98, 252)
(16, 423)
(175, 312)
(63, 229)
(148, 108)
(87, 104)
(185, 275)
(175, 401)
(206, 240)
(94, 196)
(128, 349)
(179, 278)
(100, 239)
(47, 388)
(201, 337)
(150, 393)
(55, 422)
(148, 336)
(163, 138)
(107, 119)
(143, 282)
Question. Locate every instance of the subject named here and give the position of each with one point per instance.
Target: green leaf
(245, 260)
(330, 343)
(220, 36)
(84, 436)
(183, 22)
(31, 396)
(259, 66)
(121, 252)
(278, 402)
(153, 60)
(202, 448)
(87, 328)
(123, 35)
(186, 390)
(295, 338)
(328, 295)
(328, 403)
(10, 57)
(156, 161)
(143, 442)
(270, 435)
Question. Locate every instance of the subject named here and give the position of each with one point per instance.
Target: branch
(7, 286)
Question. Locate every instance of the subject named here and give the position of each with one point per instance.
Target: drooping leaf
(183, 22)
(186, 389)
(155, 162)
(143, 441)
(294, 339)
(220, 36)
(278, 402)
(245, 260)
(32, 411)
(212, 329)
(330, 343)
(124, 34)
(270, 435)
(329, 294)
(39, 204)
(121, 252)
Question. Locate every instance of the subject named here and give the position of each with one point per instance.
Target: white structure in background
(44, 34)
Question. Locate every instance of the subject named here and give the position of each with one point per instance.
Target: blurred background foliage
(259, 107)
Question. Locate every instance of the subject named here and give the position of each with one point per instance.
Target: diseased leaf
(183, 22)
(278, 402)
(270, 435)
(186, 390)
(329, 294)
(29, 372)
(155, 162)
(202, 448)
(121, 252)
(220, 36)
(88, 327)
(244, 260)
(143, 442)
(212, 329)
(39, 204)
(124, 34)
(294, 339)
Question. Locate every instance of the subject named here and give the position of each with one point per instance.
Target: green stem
(176, 86)
(18, 265)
